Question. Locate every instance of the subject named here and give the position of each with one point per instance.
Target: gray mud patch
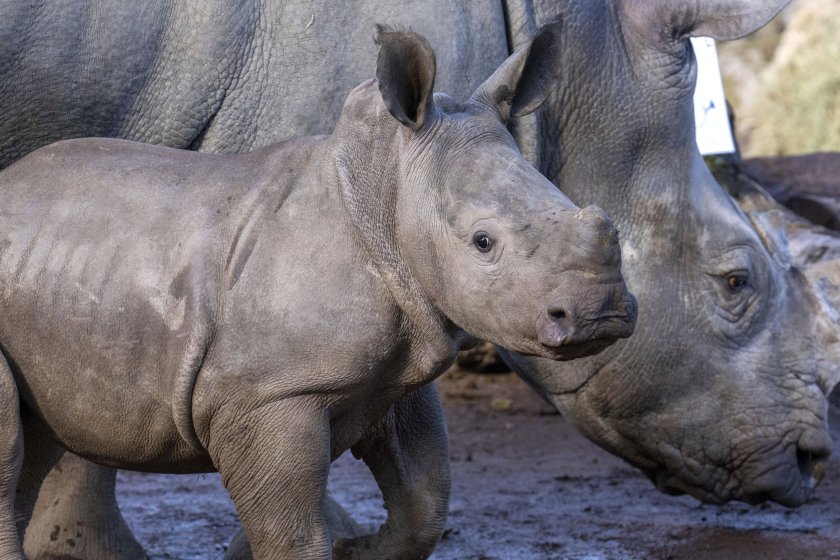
(526, 486)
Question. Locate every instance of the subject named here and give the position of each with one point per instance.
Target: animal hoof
(359, 548)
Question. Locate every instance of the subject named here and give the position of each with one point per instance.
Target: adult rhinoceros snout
(812, 453)
(812, 466)
(790, 478)
(791, 486)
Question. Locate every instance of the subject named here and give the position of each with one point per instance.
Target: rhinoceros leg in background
(10, 446)
(77, 501)
(19, 485)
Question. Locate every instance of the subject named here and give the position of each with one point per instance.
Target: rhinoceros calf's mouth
(573, 351)
(584, 338)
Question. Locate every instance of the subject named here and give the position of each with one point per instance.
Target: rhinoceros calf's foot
(359, 548)
(384, 545)
(339, 523)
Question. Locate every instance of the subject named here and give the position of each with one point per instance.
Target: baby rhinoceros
(259, 314)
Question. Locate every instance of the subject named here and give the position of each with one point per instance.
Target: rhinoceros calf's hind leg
(77, 517)
(11, 460)
(409, 458)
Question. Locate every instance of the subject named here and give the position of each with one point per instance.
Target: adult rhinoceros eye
(482, 242)
(737, 281)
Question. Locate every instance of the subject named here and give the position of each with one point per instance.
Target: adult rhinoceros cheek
(709, 485)
(754, 469)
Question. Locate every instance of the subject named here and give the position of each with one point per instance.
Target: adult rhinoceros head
(720, 393)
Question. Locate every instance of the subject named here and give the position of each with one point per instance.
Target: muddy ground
(526, 486)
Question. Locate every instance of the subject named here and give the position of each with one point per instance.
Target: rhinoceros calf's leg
(274, 462)
(409, 457)
(77, 517)
(340, 524)
(11, 459)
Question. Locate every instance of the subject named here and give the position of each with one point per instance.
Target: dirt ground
(526, 486)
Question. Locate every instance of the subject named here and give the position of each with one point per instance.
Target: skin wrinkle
(138, 126)
(24, 259)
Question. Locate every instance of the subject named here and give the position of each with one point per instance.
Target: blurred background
(783, 82)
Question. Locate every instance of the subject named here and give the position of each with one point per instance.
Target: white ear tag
(711, 119)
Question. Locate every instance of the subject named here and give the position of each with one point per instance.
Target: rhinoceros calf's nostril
(557, 314)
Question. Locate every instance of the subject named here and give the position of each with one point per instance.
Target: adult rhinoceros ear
(521, 84)
(771, 227)
(405, 69)
(720, 19)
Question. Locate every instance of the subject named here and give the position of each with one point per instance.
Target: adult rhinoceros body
(697, 403)
(260, 314)
(213, 76)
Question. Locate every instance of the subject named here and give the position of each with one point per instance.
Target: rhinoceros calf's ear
(524, 81)
(720, 19)
(405, 69)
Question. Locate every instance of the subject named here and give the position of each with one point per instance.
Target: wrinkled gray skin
(681, 400)
(260, 314)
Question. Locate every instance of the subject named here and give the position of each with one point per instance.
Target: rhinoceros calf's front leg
(409, 457)
(274, 461)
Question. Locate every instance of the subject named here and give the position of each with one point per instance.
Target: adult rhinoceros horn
(520, 85)
(720, 19)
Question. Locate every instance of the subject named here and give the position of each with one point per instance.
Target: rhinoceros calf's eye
(482, 242)
(736, 281)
